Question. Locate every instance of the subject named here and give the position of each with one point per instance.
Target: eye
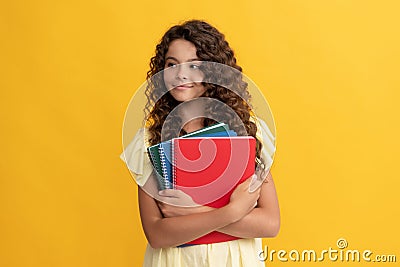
(194, 66)
(170, 64)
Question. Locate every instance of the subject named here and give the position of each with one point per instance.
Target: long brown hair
(211, 46)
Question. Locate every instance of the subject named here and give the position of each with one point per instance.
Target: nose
(181, 73)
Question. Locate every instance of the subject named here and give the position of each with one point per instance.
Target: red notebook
(209, 169)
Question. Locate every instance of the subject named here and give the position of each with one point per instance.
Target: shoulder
(138, 142)
(142, 136)
(266, 135)
(135, 156)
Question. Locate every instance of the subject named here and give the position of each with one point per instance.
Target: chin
(183, 96)
(183, 99)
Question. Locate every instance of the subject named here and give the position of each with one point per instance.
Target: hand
(259, 177)
(242, 200)
(174, 203)
(173, 211)
(176, 198)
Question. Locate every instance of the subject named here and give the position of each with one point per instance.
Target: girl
(249, 215)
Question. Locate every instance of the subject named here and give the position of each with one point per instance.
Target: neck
(193, 125)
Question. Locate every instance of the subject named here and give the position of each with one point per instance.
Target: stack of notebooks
(207, 165)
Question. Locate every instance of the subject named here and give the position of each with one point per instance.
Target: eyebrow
(173, 58)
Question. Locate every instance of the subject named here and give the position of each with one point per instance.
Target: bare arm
(168, 232)
(263, 220)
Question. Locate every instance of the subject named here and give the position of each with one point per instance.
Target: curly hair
(210, 46)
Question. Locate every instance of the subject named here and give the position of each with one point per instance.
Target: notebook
(154, 155)
(164, 151)
(209, 169)
(161, 156)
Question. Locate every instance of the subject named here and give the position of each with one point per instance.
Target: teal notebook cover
(154, 155)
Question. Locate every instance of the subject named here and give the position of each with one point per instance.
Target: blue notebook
(165, 152)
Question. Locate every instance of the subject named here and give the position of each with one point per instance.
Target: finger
(244, 185)
(164, 200)
(179, 193)
(255, 183)
(169, 193)
(167, 200)
(255, 204)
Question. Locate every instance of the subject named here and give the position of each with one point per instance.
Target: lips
(183, 86)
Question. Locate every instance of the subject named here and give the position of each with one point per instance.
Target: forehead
(182, 50)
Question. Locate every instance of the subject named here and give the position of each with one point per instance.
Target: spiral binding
(163, 166)
(155, 166)
(173, 164)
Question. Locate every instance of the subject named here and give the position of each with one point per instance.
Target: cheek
(197, 77)
(169, 77)
(200, 88)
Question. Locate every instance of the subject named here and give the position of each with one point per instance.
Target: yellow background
(329, 69)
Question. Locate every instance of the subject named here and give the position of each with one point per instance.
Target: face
(182, 75)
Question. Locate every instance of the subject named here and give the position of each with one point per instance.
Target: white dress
(235, 253)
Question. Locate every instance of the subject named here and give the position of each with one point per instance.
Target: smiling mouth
(183, 86)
